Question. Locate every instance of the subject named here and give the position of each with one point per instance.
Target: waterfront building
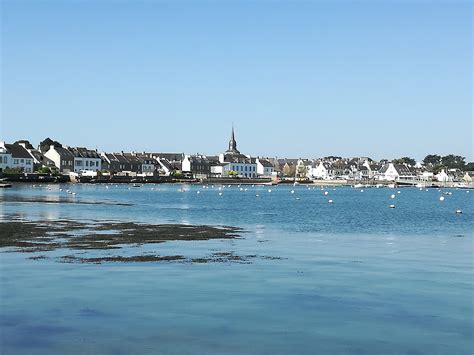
(5, 157)
(394, 172)
(63, 159)
(86, 159)
(198, 165)
(17, 157)
(264, 167)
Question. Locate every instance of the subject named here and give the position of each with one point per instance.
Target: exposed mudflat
(18, 235)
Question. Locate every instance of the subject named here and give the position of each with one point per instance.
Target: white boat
(391, 186)
(358, 186)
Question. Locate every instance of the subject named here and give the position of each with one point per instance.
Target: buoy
(392, 206)
(361, 190)
(458, 211)
(269, 190)
(257, 195)
(220, 193)
(330, 201)
(74, 193)
(245, 189)
(326, 193)
(421, 189)
(198, 192)
(297, 198)
(241, 189)
(392, 196)
(292, 191)
(399, 192)
(441, 198)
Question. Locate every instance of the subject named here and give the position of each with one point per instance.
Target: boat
(4, 186)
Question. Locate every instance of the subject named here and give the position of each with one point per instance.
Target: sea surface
(349, 277)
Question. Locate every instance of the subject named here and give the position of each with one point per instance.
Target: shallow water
(351, 277)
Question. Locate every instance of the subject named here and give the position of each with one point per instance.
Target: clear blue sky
(298, 79)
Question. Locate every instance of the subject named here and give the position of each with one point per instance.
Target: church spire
(232, 143)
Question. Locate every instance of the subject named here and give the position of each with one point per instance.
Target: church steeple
(232, 143)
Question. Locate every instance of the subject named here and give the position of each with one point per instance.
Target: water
(352, 277)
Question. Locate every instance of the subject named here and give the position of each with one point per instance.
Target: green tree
(232, 173)
(44, 170)
(469, 166)
(432, 159)
(405, 160)
(453, 161)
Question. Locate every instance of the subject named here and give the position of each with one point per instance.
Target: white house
(443, 177)
(62, 158)
(86, 159)
(393, 172)
(264, 167)
(5, 157)
(322, 170)
(20, 158)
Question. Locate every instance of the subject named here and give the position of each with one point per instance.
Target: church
(234, 161)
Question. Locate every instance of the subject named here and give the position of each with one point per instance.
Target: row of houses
(232, 162)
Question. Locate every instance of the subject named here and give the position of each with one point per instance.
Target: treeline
(437, 162)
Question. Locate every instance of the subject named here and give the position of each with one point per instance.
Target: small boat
(4, 186)
(136, 185)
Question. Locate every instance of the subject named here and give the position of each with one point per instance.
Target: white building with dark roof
(17, 157)
(264, 167)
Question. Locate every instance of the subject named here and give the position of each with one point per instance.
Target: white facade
(263, 170)
(87, 164)
(320, 172)
(443, 177)
(391, 174)
(186, 163)
(5, 158)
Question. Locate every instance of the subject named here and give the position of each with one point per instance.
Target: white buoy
(241, 189)
(292, 191)
(458, 211)
(269, 190)
(441, 198)
(392, 196)
(326, 193)
(74, 193)
(361, 190)
(220, 193)
(399, 192)
(198, 192)
(391, 206)
(257, 195)
(297, 198)
(421, 189)
(245, 189)
(330, 201)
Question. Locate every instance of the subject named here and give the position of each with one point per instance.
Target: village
(63, 163)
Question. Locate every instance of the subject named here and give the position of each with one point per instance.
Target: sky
(382, 79)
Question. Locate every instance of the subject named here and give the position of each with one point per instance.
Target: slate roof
(265, 163)
(237, 158)
(170, 156)
(80, 152)
(17, 151)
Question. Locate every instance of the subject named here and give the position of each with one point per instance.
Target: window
(15, 161)
(245, 169)
(22, 161)
(28, 161)
(87, 162)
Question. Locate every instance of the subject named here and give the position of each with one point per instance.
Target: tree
(232, 173)
(405, 160)
(44, 170)
(453, 161)
(432, 159)
(289, 170)
(469, 166)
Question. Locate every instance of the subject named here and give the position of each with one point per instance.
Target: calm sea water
(354, 276)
